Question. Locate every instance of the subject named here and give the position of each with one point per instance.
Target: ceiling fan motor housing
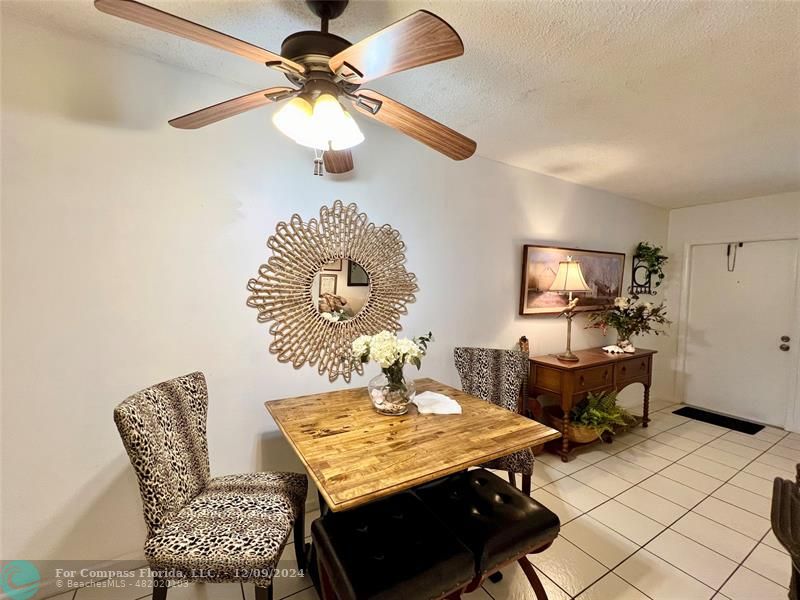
(313, 50)
(305, 45)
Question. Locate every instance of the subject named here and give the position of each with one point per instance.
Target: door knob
(784, 347)
(785, 338)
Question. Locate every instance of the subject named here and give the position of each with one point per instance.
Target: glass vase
(391, 399)
(623, 339)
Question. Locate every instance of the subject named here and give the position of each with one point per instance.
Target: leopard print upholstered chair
(498, 376)
(202, 528)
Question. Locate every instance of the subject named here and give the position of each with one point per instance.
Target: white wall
(127, 246)
(766, 217)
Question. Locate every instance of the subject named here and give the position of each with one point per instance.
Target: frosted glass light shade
(349, 134)
(325, 127)
(569, 278)
(294, 119)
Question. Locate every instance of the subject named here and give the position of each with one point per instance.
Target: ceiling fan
(323, 69)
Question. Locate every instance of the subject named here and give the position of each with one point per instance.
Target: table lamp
(569, 279)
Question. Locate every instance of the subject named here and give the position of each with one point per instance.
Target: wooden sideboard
(595, 371)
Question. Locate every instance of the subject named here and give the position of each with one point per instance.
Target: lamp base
(567, 356)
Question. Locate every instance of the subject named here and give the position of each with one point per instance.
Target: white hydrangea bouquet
(389, 391)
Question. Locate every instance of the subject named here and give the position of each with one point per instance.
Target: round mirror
(369, 287)
(340, 290)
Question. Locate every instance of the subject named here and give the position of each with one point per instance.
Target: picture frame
(327, 284)
(603, 271)
(356, 275)
(333, 266)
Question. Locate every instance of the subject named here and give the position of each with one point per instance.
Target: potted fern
(598, 415)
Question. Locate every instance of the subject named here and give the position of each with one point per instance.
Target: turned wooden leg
(526, 485)
(264, 593)
(565, 437)
(159, 589)
(646, 406)
(533, 578)
(300, 548)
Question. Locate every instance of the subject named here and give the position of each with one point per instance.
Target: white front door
(736, 319)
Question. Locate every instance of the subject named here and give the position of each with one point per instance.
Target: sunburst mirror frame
(282, 291)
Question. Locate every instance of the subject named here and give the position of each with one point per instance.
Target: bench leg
(159, 589)
(533, 578)
(300, 539)
(326, 587)
(264, 593)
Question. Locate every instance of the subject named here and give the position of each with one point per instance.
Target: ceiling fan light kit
(325, 71)
(325, 125)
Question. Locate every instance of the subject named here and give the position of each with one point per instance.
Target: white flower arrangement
(629, 318)
(390, 352)
(622, 302)
(387, 350)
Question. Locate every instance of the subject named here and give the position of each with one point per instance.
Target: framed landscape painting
(602, 271)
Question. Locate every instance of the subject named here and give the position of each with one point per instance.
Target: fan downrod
(327, 10)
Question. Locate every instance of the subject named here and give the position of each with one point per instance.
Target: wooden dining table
(355, 455)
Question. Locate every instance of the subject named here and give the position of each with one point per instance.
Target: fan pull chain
(319, 167)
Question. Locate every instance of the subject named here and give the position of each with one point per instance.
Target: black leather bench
(391, 549)
(494, 519)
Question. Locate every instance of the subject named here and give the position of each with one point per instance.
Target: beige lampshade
(569, 277)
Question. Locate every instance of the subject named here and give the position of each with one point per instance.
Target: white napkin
(434, 403)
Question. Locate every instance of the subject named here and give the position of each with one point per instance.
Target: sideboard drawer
(592, 379)
(636, 368)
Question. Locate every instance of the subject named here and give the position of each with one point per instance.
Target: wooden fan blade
(419, 39)
(423, 129)
(229, 108)
(158, 19)
(338, 161)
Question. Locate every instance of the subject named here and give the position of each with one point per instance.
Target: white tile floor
(678, 511)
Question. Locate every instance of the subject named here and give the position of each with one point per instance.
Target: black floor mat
(699, 414)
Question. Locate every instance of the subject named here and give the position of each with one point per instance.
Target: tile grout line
(753, 549)
(757, 542)
(565, 475)
(640, 547)
(711, 519)
(708, 495)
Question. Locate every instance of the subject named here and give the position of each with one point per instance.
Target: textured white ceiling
(670, 102)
